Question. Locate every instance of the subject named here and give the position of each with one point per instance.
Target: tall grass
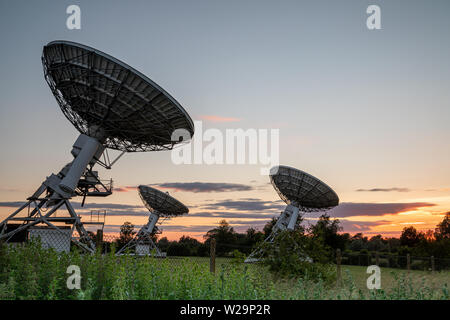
(30, 272)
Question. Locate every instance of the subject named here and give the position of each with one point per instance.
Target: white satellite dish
(112, 106)
(160, 204)
(302, 193)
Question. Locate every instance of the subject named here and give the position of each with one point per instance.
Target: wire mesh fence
(236, 253)
(395, 260)
(61, 241)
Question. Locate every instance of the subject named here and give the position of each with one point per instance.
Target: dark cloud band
(384, 190)
(198, 187)
(349, 209)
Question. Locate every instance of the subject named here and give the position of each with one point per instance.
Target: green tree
(410, 237)
(185, 246)
(163, 244)
(269, 227)
(377, 243)
(252, 237)
(358, 242)
(190, 245)
(293, 253)
(327, 230)
(225, 237)
(126, 234)
(442, 230)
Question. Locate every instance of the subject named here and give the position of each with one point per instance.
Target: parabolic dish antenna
(300, 189)
(113, 106)
(104, 97)
(160, 204)
(303, 193)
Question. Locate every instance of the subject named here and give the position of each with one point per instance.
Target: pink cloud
(218, 118)
(124, 189)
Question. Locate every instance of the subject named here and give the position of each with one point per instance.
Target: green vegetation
(356, 250)
(30, 272)
(291, 253)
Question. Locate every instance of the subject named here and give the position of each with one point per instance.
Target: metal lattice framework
(161, 202)
(98, 92)
(302, 190)
(303, 193)
(142, 240)
(113, 106)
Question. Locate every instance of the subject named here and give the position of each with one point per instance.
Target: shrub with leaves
(294, 254)
(31, 272)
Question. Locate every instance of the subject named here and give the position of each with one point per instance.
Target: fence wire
(60, 241)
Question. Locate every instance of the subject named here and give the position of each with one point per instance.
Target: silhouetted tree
(327, 230)
(377, 243)
(253, 236)
(393, 244)
(269, 226)
(163, 244)
(126, 234)
(185, 246)
(442, 230)
(358, 242)
(410, 237)
(225, 238)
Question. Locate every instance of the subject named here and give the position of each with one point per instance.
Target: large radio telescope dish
(161, 202)
(303, 193)
(301, 189)
(104, 97)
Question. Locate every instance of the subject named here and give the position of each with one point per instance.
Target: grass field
(395, 283)
(390, 277)
(33, 273)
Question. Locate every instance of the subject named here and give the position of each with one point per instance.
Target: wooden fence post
(212, 256)
(432, 264)
(99, 239)
(408, 262)
(338, 267)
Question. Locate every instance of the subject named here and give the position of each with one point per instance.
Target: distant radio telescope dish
(302, 193)
(107, 99)
(160, 204)
(300, 189)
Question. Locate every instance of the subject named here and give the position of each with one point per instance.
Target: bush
(293, 254)
(383, 262)
(351, 258)
(30, 272)
(365, 258)
(238, 257)
(420, 265)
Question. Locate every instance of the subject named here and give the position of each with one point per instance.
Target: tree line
(327, 231)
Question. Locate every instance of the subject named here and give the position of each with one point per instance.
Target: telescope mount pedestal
(76, 179)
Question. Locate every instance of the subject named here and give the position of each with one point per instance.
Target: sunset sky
(365, 111)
